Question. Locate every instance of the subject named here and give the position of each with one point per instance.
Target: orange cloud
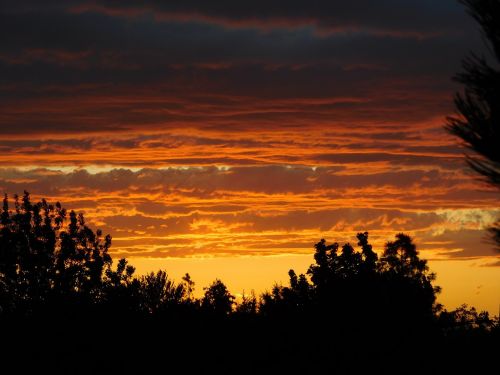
(258, 210)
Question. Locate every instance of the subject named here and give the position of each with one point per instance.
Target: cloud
(83, 67)
(265, 209)
(389, 15)
(465, 243)
(244, 127)
(492, 264)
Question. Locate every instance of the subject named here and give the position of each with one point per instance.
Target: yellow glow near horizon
(465, 281)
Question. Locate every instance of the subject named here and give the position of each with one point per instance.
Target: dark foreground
(107, 345)
(65, 308)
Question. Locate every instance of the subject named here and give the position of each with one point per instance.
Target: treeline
(58, 281)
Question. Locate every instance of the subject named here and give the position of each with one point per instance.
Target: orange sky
(226, 141)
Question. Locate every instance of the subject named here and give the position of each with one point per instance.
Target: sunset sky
(225, 138)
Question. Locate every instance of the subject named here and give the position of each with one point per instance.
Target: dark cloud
(272, 179)
(64, 59)
(298, 196)
(408, 15)
(492, 264)
(466, 243)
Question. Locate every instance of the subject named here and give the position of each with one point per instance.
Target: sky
(226, 138)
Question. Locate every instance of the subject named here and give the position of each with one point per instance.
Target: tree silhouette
(27, 250)
(408, 279)
(189, 283)
(478, 123)
(217, 299)
(121, 290)
(466, 319)
(248, 304)
(49, 257)
(160, 294)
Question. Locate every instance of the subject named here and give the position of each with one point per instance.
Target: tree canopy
(477, 122)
